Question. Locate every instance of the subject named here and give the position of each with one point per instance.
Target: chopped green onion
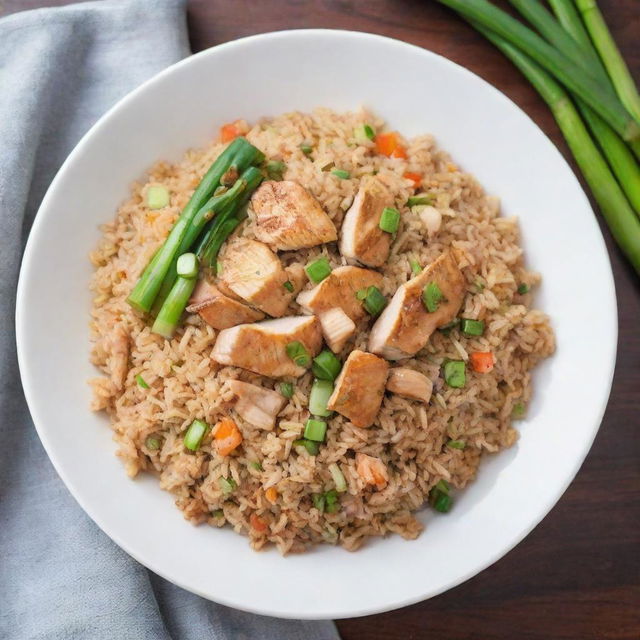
(432, 296)
(454, 373)
(141, 382)
(523, 288)
(311, 447)
(275, 169)
(424, 198)
(315, 430)
(288, 285)
(442, 503)
(318, 270)
(478, 285)
(518, 411)
(157, 197)
(318, 501)
(321, 391)
(298, 353)
(341, 173)
(415, 267)
(256, 465)
(364, 133)
(217, 513)
(471, 327)
(228, 485)
(152, 443)
(361, 294)
(439, 497)
(332, 501)
(374, 301)
(306, 148)
(389, 220)
(446, 328)
(187, 265)
(456, 444)
(338, 477)
(194, 435)
(326, 365)
(286, 389)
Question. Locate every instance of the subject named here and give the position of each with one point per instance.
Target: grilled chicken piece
(261, 347)
(405, 325)
(409, 384)
(252, 271)
(339, 289)
(257, 405)
(288, 217)
(337, 327)
(372, 470)
(361, 237)
(359, 388)
(218, 310)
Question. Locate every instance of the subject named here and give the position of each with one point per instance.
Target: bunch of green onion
(573, 62)
(214, 210)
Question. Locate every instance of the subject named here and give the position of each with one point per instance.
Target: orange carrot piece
(388, 145)
(227, 436)
(258, 523)
(228, 132)
(399, 152)
(271, 494)
(416, 178)
(481, 361)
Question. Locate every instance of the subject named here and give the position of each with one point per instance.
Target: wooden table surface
(577, 576)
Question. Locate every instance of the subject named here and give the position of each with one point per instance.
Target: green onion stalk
(237, 155)
(223, 225)
(613, 60)
(620, 217)
(568, 35)
(571, 74)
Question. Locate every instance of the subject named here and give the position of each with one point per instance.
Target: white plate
(417, 91)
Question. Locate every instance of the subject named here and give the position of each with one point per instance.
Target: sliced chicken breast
(409, 384)
(361, 237)
(261, 347)
(404, 327)
(339, 290)
(218, 310)
(254, 273)
(359, 388)
(257, 405)
(337, 327)
(288, 217)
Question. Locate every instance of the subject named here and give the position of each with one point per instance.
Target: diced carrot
(258, 523)
(451, 168)
(227, 436)
(372, 470)
(228, 132)
(416, 178)
(388, 145)
(481, 361)
(271, 494)
(399, 152)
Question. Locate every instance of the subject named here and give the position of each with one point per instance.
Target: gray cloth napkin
(60, 576)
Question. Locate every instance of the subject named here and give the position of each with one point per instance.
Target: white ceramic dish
(417, 91)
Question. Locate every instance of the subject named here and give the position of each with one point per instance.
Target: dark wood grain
(577, 576)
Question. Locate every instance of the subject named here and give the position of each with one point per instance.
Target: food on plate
(313, 329)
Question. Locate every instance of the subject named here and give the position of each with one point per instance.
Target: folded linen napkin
(60, 576)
